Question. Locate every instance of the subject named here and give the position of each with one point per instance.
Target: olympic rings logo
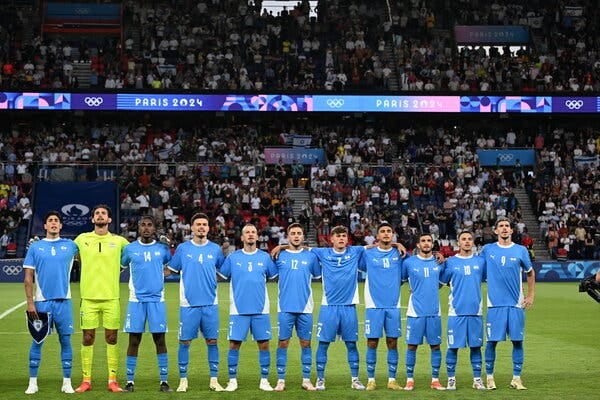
(93, 101)
(505, 157)
(12, 269)
(574, 104)
(335, 103)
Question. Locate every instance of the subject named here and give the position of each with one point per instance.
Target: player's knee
(111, 336)
(88, 337)
(209, 342)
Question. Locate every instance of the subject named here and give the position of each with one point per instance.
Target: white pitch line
(10, 310)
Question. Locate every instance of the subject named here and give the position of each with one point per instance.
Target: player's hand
(401, 249)
(32, 241)
(440, 258)
(164, 240)
(32, 314)
(275, 252)
(527, 302)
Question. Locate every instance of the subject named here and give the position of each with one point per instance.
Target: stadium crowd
(339, 45)
(426, 179)
(406, 176)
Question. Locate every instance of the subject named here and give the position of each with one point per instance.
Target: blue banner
(74, 201)
(506, 157)
(570, 271)
(83, 11)
(491, 34)
(288, 155)
(11, 270)
(333, 102)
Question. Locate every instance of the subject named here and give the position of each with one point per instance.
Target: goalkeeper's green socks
(87, 356)
(112, 359)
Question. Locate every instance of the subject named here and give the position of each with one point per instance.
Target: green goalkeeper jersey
(100, 265)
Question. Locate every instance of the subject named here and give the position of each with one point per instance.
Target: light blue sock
(306, 358)
(264, 359)
(392, 360)
(476, 361)
(411, 360)
(35, 358)
(281, 362)
(131, 364)
(490, 357)
(353, 358)
(436, 363)
(163, 366)
(517, 356)
(233, 356)
(66, 355)
(321, 359)
(371, 362)
(183, 358)
(213, 359)
(451, 358)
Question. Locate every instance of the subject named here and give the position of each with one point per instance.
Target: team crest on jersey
(63, 248)
(112, 245)
(260, 264)
(303, 263)
(513, 259)
(157, 253)
(210, 256)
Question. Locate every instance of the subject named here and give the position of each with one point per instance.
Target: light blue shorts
(337, 320)
(138, 313)
(204, 319)
(378, 320)
(418, 328)
(303, 323)
(259, 326)
(503, 321)
(465, 330)
(61, 315)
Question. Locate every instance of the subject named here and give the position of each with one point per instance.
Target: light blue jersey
(384, 276)
(296, 269)
(248, 288)
(146, 262)
(52, 260)
(504, 266)
(423, 275)
(340, 274)
(198, 266)
(464, 274)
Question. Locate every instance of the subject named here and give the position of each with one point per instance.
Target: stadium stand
(420, 175)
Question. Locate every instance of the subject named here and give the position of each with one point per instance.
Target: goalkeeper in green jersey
(100, 254)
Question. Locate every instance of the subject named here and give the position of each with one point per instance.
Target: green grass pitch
(562, 353)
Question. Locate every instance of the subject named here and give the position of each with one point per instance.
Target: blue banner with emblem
(506, 157)
(74, 201)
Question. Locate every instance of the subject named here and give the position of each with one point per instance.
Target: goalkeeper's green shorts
(94, 311)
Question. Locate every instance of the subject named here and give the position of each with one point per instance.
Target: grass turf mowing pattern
(561, 355)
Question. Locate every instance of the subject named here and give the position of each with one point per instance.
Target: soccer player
(506, 302)
(383, 265)
(198, 260)
(100, 254)
(249, 268)
(295, 267)
(49, 261)
(464, 273)
(146, 259)
(338, 306)
(423, 315)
